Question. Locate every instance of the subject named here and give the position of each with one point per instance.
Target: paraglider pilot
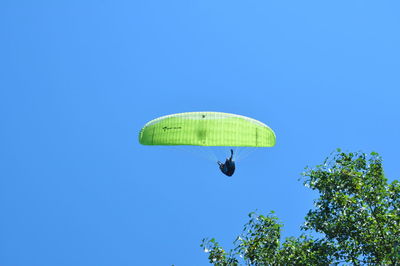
(228, 168)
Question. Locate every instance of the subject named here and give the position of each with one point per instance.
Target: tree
(357, 216)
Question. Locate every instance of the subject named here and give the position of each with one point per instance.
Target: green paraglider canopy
(207, 129)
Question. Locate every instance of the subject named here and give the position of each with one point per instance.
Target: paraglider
(228, 168)
(208, 129)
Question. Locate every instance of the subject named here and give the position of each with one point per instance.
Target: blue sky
(78, 79)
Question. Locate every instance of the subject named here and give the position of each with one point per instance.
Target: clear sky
(78, 80)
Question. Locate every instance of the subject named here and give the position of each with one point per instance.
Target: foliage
(357, 216)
